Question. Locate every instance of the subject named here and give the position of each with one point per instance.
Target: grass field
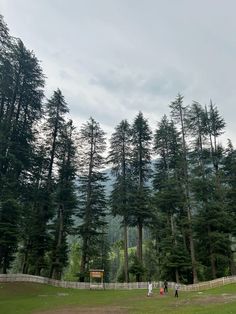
(22, 298)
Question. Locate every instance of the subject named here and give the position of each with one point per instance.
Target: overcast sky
(112, 58)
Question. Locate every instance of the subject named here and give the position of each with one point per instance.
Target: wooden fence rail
(117, 285)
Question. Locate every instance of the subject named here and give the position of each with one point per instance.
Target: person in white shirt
(149, 289)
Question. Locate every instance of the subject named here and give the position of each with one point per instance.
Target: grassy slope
(22, 298)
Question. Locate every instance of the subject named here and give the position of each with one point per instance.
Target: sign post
(96, 278)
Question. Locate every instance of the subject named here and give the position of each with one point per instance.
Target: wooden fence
(119, 286)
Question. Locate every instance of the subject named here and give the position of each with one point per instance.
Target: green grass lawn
(22, 298)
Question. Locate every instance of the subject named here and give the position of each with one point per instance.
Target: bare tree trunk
(212, 257)
(53, 149)
(177, 275)
(192, 250)
(175, 243)
(25, 261)
(139, 247)
(140, 242)
(2, 107)
(4, 267)
(85, 257)
(232, 264)
(126, 266)
(55, 271)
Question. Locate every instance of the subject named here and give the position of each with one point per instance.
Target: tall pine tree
(178, 113)
(92, 200)
(168, 199)
(141, 141)
(21, 94)
(65, 200)
(120, 158)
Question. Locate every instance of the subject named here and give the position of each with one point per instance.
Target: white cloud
(113, 58)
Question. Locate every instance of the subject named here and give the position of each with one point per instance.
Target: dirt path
(87, 310)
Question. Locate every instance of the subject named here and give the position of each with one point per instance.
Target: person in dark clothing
(165, 286)
(176, 290)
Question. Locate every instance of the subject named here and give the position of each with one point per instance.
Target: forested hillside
(168, 212)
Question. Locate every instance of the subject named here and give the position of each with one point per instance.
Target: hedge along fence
(116, 286)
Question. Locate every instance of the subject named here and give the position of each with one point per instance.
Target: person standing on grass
(176, 290)
(149, 289)
(165, 287)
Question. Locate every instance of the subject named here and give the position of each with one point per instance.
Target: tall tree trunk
(25, 261)
(85, 257)
(52, 156)
(192, 249)
(175, 243)
(2, 107)
(140, 225)
(140, 241)
(4, 267)
(55, 271)
(177, 275)
(25, 267)
(83, 260)
(126, 266)
(232, 264)
(212, 257)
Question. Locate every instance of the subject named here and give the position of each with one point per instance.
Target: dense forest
(144, 204)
